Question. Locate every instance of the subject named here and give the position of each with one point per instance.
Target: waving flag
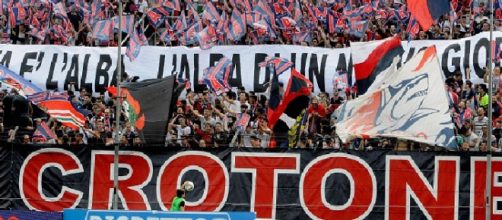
(148, 105)
(60, 10)
(427, 11)
(168, 34)
(286, 23)
(57, 106)
(237, 27)
(190, 36)
(302, 36)
(43, 131)
(156, 16)
(15, 81)
(207, 37)
(127, 23)
(210, 12)
(358, 28)
(280, 64)
(39, 33)
(136, 40)
(340, 25)
(222, 28)
(496, 51)
(253, 17)
(242, 122)
(266, 12)
(282, 116)
(180, 26)
(102, 30)
(216, 78)
(368, 66)
(17, 14)
(172, 4)
(413, 28)
(297, 15)
(332, 20)
(413, 105)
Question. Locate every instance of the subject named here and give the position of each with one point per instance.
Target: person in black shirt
(75, 19)
(497, 131)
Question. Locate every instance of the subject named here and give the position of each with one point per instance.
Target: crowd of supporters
(204, 119)
(207, 120)
(312, 23)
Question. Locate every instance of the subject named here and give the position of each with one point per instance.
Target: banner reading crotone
(52, 67)
(289, 184)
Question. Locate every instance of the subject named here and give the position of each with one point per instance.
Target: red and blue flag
(216, 77)
(15, 81)
(242, 122)
(102, 30)
(127, 23)
(358, 28)
(207, 37)
(428, 11)
(211, 13)
(280, 64)
(136, 40)
(172, 4)
(237, 27)
(44, 132)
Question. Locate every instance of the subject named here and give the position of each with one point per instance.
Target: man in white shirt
(182, 129)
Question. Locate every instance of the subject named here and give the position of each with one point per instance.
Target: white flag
(411, 105)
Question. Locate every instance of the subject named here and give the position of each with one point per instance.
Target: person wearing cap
(255, 141)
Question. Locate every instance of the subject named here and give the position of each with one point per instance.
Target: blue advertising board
(86, 214)
(29, 215)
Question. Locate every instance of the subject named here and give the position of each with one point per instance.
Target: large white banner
(54, 67)
(457, 55)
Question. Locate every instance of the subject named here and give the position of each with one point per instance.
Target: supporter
(472, 139)
(465, 147)
(479, 121)
(483, 98)
(497, 130)
(484, 135)
(255, 142)
(179, 123)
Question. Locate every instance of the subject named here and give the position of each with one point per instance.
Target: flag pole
(490, 123)
(117, 112)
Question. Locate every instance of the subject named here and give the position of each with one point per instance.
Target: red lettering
(478, 187)
(213, 170)
(362, 189)
(30, 185)
(265, 169)
(130, 186)
(404, 179)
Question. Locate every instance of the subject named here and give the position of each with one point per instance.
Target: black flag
(149, 106)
